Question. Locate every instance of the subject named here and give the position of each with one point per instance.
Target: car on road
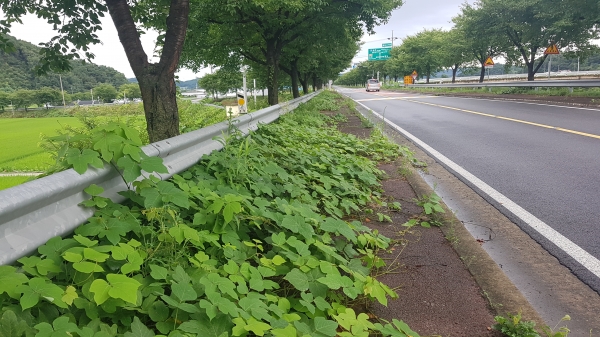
(373, 85)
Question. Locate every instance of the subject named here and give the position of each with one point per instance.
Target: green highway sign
(386, 45)
(379, 54)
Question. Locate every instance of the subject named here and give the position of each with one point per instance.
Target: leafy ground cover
(20, 138)
(255, 240)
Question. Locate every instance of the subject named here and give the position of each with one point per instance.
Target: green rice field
(19, 139)
(7, 182)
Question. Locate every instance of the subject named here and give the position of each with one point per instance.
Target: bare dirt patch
(437, 294)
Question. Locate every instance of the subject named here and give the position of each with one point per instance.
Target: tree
(481, 39)
(105, 92)
(77, 21)
(22, 98)
(4, 100)
(454, 51)
(532, 25)
(130, 90)
(259, 31)
(47, 95)
(423, 52)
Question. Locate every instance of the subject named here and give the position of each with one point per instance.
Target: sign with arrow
(379, 54)
(489, 63)
(552, 50)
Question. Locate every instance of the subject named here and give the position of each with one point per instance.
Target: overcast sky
(412, 17)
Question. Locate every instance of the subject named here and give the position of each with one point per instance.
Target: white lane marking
(520, 102)
(587, 260)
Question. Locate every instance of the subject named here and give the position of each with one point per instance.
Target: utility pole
(254, 93)
(62, 91)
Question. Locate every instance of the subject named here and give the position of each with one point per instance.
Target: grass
(19, 138)
(577, 92)
(7, 182)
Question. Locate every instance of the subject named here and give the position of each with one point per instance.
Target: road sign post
(551, 50)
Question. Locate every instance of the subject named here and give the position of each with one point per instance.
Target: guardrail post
(571, 89)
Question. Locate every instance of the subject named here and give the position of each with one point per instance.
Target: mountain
(16, 72)
(188, 85)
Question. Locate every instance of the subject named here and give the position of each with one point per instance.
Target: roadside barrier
(34, 212)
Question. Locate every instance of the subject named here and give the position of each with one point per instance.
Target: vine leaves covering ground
(251, 241)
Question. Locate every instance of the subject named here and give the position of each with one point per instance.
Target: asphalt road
(544, 158)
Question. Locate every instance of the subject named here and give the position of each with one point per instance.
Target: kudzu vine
(254, 240)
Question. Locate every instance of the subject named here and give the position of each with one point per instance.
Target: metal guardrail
(522, 77)
(534, 84)
(34, 212)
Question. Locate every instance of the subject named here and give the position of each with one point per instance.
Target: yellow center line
(384, 98)
(511, 119)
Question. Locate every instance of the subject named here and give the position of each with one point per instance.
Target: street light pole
(393, 38)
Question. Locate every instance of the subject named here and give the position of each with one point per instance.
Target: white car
(373, 85)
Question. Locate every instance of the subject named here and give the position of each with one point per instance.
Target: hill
(16, 72)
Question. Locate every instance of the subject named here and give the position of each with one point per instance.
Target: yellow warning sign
(489, 63)
(552, 50)
(414, 73)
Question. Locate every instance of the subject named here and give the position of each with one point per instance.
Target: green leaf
(158, 272)
(10, 326)
(131, 169)
(118, 286)
(40, 288)
(81, 160)
(298, 279)
(87, 267)
(158, 311)
(338, 226)
(94, 255)
(230, 210)
(94, 190)
(10, 280)
(70, 294)
(257, 327)
(288, 331)
(184, 292)
(138, 329)
(325, 327)
(335, 282)
(208, 328)
(278, 260)
(153, 164)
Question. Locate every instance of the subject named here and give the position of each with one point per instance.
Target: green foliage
(250, 241)
(105, 92)
(512, 326)
(17, 72)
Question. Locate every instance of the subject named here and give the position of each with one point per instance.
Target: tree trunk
(294, 75)
(160, 106)
(272, 73)
(454, 71)
(482, 74)
(304, 82)
(530, 72)
(156, 81)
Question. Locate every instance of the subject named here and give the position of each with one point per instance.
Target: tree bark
(295, 79)
(482, 74)
(156, 81)
(454, 71)
(272, 73)
(304, 82)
